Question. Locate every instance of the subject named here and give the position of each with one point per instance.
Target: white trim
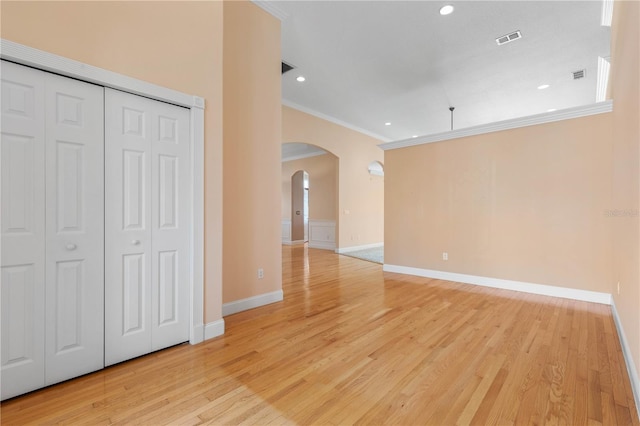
(322, 245)
(628, 358)
(302, 156)
(515, 123)
(270, 8)
(252, 302)
(333, 120)
(285, 230)
(607, 13)
(546, 290)
(40, 59)
(293, 243)
(356, 248)
(196, 334)
(29, 56)
(322, 234)
(214, 329)
(604, 66)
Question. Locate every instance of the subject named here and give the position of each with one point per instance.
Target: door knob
(71, 246)
(135, 242)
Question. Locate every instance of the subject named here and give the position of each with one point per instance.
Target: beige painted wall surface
(323, 188)
(158, 42)
(525, 204)
(360, 195)
(625, 88)
(252, 135)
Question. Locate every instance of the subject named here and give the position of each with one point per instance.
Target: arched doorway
(317, 221)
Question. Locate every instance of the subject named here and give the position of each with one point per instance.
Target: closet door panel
(127, 226)
(22, 229)
(147, 229)
(75, 228)
(170, 223)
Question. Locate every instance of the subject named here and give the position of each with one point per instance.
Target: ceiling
(367, 63)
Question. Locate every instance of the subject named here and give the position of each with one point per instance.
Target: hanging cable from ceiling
(451, 109)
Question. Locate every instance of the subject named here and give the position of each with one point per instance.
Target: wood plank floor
(353, 345)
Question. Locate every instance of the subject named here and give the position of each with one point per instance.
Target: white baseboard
(322, 245)
(628, 358)
(214, 329)
(197, 334)
(356, 248)
(546, 290)
(293, 243)
(251, 302)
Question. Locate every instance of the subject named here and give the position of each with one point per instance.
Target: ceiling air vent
(578, 74)
(286, 67)
(508, 38)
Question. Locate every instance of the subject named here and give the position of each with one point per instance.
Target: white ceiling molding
(272, 9)
(607, 13)
(333, 120)
(604, 66)
(515, 123)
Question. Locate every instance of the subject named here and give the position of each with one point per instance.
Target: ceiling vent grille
(507, 38)
(286, 67)
(578, 74)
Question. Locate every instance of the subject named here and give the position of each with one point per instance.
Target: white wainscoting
(322, 234)
(286, 234)
(286, 231)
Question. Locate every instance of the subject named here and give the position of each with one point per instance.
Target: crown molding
(333, 120)
(607, 13)
(272, 9)
(515, 123)
(604, 67)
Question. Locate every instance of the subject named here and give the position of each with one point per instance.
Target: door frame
(25, 55)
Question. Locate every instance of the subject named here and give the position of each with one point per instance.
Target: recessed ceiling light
(551, 110)
(387, 124)
(446, 10)
(543, 86)
(300, 78)
(414, 136)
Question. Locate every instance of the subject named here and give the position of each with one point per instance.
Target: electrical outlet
(618, 288)
(260, 273)
(445, 255)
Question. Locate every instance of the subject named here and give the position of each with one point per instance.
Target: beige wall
(360, 218)
(524, 204)
(625, 89)
(533, 204)
(323, 186)
(252, 134)
(156, 42)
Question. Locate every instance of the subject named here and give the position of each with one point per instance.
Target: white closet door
(171, 201)
(75, 228)
(23, 229)
(147, 227)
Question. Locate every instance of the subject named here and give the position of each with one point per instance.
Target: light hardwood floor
(351, 344)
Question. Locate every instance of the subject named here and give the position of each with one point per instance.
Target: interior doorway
(300, 206)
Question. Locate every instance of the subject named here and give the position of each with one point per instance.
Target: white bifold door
(52, 228)
(147, 228)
